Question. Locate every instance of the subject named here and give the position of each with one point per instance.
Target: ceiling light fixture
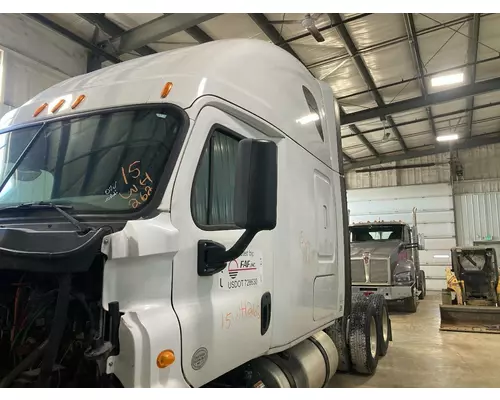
(445, 80)
(447, 138)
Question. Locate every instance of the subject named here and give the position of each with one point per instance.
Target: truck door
(224, 318)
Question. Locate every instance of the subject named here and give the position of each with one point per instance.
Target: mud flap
(481, 319)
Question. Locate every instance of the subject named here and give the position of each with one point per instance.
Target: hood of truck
(376, 248)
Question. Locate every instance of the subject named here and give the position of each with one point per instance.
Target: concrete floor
(420, 356)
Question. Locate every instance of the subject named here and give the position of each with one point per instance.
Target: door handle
(265, 318)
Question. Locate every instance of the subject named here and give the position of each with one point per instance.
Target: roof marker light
(57, 106)
(77, 102)
(166, 89)
(40, 109)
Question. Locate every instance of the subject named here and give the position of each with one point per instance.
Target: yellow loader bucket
(459, 318)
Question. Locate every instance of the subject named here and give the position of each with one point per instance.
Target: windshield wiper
(41, 205)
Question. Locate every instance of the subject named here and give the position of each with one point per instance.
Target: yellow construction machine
(471, 302)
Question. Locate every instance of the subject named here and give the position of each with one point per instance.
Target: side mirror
(421, 241)
(255, 203)
(256, 181)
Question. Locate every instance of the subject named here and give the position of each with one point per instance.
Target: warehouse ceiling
(382, 68)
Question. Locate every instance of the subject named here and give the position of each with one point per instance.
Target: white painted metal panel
(435, 216)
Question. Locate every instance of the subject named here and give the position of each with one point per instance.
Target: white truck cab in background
(239, 248)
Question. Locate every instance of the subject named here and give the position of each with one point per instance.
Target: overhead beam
(354, 129)
(198, 34)
(156, 29)
(112, 29)
(419, 65)
(469, 143)
(365, 74)
(94, 62)
(472, 58)
(72, 36)
(346, 157)
(436, 116)
(270, 31)
(444, 96)
(394, 41)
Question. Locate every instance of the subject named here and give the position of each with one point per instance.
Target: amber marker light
(40, 109)
(77, 102)
(57, 106)
(166, 89)
(165, 359)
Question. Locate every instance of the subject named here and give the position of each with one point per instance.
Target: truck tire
(423, 286)
(410, 304)
(338, 334)
(363, 338)
(384, 325)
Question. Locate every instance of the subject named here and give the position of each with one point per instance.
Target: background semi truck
(180, 220)
(385, 260)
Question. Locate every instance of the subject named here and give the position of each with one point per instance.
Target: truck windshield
(366, 233)
(102, 162)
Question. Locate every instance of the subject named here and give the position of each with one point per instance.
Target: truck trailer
(180, 220)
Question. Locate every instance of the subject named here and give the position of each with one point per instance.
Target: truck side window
(213, 189)
(314, 109)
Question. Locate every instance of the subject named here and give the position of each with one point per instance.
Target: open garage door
(435, 220)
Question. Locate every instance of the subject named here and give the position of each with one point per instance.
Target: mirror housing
(421, 241)
(255, 203)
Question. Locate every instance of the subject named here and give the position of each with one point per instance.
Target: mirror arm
(217, 257)
(212, 256)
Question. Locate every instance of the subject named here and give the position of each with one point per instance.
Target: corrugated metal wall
(477, 216)
(476, 194)
(435, 217)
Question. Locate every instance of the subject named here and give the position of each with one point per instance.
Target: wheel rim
(385, 325)
(373, 338)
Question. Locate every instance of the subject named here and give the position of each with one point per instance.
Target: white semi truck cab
(179, 220)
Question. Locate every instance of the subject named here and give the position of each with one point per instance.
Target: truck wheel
(384, 325)
(410, 304)
(363, 337)
(423, 286)
(338, 334)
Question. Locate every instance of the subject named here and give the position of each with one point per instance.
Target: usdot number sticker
(244, 272)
